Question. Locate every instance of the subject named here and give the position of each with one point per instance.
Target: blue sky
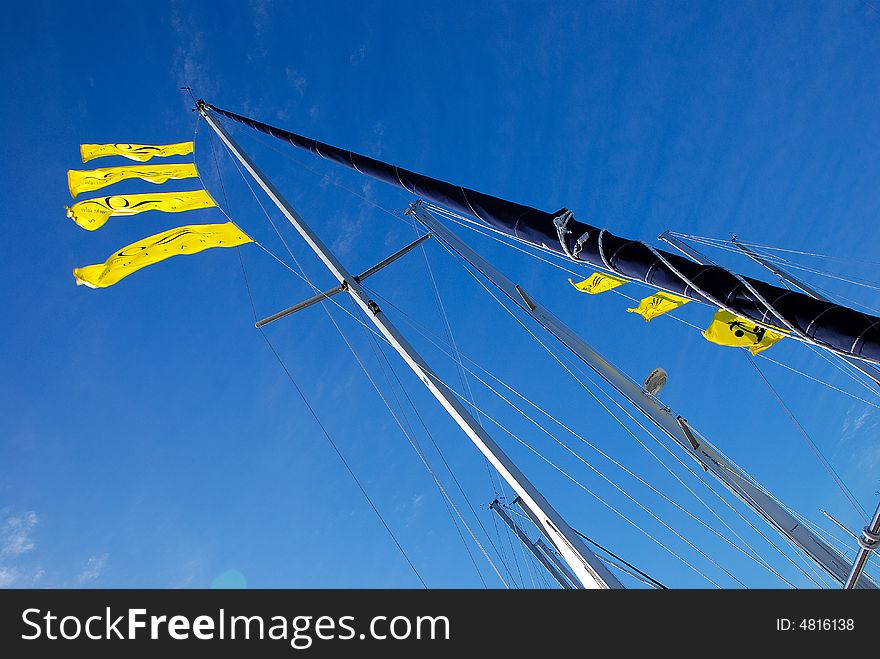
(148, 436)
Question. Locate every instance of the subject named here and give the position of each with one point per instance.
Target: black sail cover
(830, 325)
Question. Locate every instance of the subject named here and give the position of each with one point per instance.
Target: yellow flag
(91, 214)
(139, 152)
(598, 283)
(729, 330)
(658, 304)
(79, 180)
(182, 240)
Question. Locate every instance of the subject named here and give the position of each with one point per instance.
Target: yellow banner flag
(91, 214)
(182, 240)
(729, 330)
(80, 180)
(598, 283)
(658, 304)
(139, 152)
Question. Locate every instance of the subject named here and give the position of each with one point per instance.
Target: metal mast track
(710, 458)
(590, 571)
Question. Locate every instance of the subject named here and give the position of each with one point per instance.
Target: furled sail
(835, 327)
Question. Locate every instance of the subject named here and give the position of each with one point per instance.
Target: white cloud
(857, 421)
(15, 535)
(94, 566)
(260, 10)
(376, 147)
(358, 56)
(296, 79)
(349, 229)
(8, 577)
(189, 63)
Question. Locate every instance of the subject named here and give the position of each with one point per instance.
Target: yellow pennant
(658, 304)
(139, 152)
(182, 240)
(79, 180)
(729, 330)
(598, 283)
(91, 214)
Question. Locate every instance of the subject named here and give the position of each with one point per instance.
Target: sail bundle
(832, 326)
(91, 214)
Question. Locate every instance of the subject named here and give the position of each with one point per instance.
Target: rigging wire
(436, 341)
(628, 564)
(638, 527)
(822, 459)
(707, 240)
(496, 482)
(311, 409)
(619, 563)
(630, 414)
(411, 437)
(848, 371)
(447, 498)
(377, 349)
(454, 345)
(730, 246)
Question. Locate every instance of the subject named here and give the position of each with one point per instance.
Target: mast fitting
(561, 223)
(869, 541)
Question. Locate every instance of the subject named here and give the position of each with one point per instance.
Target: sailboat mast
(590, 571)
(710, 458)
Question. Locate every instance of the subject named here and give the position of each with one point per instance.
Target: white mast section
(590, 571)
(712, 460)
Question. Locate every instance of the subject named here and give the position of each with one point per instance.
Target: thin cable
(378, 351)
(327, 435)
(354, 352)
(830, 469)
(411, 437)
(615, 556)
